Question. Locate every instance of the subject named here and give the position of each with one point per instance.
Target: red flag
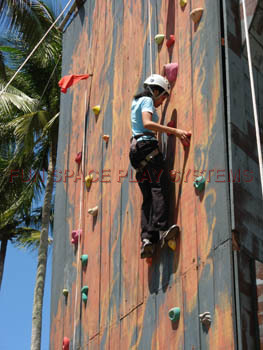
(69, 80)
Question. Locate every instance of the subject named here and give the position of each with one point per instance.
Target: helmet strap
(155, 97)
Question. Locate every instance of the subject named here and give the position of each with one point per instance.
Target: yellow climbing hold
(183, 3)
(196, 14)
(96, 109)
(65, 292)
(172, 244)
(88, 180)
(159, 38)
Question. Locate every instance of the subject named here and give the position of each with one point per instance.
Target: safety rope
(150, 31)
(80, 219)
(35, 48)
(253, 96)
(51, 76)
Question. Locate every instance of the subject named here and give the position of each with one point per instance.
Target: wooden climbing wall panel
(128, 301)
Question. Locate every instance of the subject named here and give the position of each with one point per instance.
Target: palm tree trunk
(42, 257)
(2, 258)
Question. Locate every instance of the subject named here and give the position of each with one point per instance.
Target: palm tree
(39, 128)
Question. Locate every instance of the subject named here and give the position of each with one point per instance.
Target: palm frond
(27, 238)
(14, 97)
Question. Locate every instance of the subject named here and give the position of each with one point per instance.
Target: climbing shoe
(147, 248)
(171, 233)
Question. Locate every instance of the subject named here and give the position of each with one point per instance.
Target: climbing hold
(159, 38)
(65, 292)
(78, 158)
(93, 211)
(172, 244)
(183, 3)
(84, 297)
(171, 41)
(84, 259)
(170, 71)
(76, 234)
(84, 293)
(88, 180)
(196, 14)
(85, 290)
(187, 143)
(171, 124)
(66, 342)
(205, 318)
(174, 314)
(199, 183)
(149, 261)
(106, 138)
(96, 109)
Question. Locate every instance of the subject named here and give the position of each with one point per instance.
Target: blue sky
(16, 300)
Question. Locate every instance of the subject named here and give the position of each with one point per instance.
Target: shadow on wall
(165, 262)
(170, 24)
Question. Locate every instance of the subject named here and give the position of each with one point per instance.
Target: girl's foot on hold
(147, 249)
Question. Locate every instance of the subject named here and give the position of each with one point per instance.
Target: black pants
(153, 182)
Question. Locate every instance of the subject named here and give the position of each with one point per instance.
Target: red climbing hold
(149, 261)
(170, 71)
(69, 80)
(66, 342)
(187, 143)
(171, 41)
(76, 234)
(78, 158)
(171, 124)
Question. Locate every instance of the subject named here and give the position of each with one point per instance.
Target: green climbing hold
(199, 183)
(85, 290)
(84, 259)
(84, 297)
(174, 314)
(159, 38)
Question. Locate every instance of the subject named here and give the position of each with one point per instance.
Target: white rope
(150, 31)
(35, 48)
(80, 218)
(253, 96)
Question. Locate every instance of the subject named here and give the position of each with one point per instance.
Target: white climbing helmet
(156, 79)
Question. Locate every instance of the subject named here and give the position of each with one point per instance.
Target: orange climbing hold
(171, 41)
(106, 138)
(196, 14)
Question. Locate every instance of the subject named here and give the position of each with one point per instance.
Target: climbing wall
(128, 300)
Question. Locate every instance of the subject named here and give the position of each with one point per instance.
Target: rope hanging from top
(253, 96)
(150, 31)
(35, 48)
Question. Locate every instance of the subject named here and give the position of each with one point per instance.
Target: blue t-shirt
(142, 104)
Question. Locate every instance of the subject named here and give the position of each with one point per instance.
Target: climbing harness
(142, 163)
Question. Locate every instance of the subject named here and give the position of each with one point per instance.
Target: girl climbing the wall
(148, 161)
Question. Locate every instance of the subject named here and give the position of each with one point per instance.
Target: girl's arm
(150, 125)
